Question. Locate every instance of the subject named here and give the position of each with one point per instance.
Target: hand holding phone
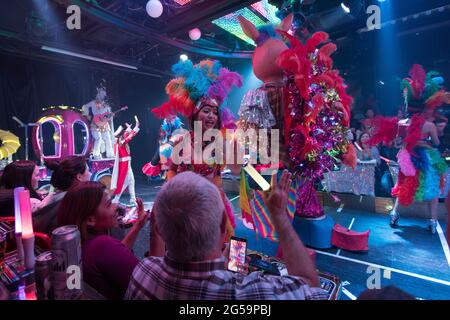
(237, 255)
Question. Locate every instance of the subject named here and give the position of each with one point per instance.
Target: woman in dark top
(22, 173)
(107, 262)
(65, 174)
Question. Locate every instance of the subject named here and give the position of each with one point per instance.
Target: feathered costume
(421, 167)
(161, 159)
(315, 117)
(205, 83)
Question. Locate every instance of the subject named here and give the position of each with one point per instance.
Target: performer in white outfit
(123, 176)
(101, 132)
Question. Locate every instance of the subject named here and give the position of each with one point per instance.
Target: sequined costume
(195, 87)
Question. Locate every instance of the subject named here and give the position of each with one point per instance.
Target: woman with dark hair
(365, 152)
(21, 173)
(66, 173)
(107, 262)
(202, 103)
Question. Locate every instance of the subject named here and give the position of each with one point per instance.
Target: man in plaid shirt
(191, 224)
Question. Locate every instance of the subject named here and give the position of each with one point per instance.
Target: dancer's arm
(298, 262)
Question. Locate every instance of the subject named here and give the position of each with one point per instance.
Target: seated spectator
(66, 173)
(387, 293)
(21, 173)
(191, 221)
(107, 262)
(368, 123)
(365, 152)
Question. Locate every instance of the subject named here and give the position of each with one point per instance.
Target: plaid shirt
(157, 278)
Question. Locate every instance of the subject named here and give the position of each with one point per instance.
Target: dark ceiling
(121, 30)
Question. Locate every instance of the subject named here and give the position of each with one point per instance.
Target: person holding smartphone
(189, 226)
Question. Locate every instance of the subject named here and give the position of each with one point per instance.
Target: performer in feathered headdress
(198, 92)
(168, 135)
(421, 165)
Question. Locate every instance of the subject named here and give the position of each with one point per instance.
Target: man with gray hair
(191, 222)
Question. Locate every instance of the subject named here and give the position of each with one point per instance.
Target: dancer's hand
(276, 198)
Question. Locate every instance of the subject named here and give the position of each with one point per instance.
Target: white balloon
(154, 8)
(195, 34)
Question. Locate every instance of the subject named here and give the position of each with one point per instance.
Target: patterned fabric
(360, 181)
(255, 211)
(158, 278)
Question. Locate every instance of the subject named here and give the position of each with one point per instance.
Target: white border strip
(348, 294)
(411, 274)
(443, 241)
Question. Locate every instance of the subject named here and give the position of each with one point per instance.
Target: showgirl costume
(160, 162)
(195, 86)
(421, 165)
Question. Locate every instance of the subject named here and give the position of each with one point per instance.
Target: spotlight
(183, 57)
(345, 7)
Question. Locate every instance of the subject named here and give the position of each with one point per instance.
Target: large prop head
(269, 46)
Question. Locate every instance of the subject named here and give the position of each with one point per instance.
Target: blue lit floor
(415, 258)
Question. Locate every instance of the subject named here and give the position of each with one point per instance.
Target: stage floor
(409, 257)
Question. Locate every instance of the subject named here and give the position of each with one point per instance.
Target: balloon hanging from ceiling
(154, 8)
(195, 34)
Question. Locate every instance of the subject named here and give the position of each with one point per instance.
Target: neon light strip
(231, 24)
(87, 138)
(52, 120)
(83, 56)
(182, 2)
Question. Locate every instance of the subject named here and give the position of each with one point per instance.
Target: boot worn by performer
(394, 217)
(432, 226)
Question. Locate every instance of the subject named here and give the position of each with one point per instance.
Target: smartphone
(237, 255)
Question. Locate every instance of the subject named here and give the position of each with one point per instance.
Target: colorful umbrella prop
(9, 144)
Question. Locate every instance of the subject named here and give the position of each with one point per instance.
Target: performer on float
(123, 176)
(160, 162)
(101, 128)
(198, 93)
(421, 166)
(305, 98)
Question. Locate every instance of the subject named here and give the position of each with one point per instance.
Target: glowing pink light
(25, 214)
(182, 2)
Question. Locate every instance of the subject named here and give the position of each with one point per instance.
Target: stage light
(183, 57)
(83, 56)
(154, 8)
(195, 34)
(345, 7)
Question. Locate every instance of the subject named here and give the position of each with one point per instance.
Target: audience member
(368, 124)
(191, 221)
(107, 262)
(365, 152)
(387, 293)
(66, 173)
(21, 173)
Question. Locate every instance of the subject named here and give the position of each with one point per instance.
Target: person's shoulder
(282, 287)
(102, 242)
